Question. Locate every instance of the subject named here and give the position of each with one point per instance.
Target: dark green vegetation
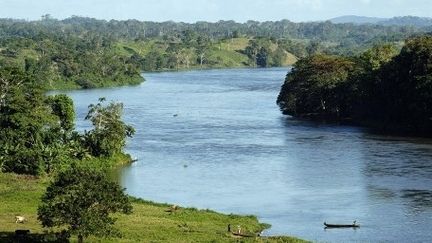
(38, 138)
(149, 222)
(63, 59)
(37, 132)
(87, 53)
(82, 200)
(381, 87)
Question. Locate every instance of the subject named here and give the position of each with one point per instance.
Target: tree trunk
(323, 105)
(80, 238)
(201, 60)
(187, 61)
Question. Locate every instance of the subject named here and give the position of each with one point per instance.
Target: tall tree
(25, 123)
(314, 86)
(82, 200)
(109, 134)
(406, 85)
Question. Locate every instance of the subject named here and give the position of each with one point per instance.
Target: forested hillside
(382, 87)
(86, 53)
(419, 22)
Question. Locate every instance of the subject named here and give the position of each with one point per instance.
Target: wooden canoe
(354, 225)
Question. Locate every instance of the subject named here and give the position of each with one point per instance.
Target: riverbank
(20, 195)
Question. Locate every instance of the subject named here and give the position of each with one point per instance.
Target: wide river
(216, 139)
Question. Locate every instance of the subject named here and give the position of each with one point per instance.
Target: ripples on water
(216, 139)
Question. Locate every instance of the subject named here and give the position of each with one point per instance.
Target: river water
(216, 139)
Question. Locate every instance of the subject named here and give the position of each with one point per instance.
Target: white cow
(19, 219)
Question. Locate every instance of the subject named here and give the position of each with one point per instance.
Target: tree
(262, 58)
(82, 200)
(109, 134)
(252, 51)
(406, 85)
(25, 123)
(366, 97)
(203, 44)
(314, 48)
(390, 91)
(315, 87)
(62, 106)
(377, 56)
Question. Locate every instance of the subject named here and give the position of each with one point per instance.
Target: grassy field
(222, 54)
(149, 222)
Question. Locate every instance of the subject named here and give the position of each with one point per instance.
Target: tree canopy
(315, 86)
(83, 200)
(37, 131)
(109, 134)
(393, 90)
(82, 52)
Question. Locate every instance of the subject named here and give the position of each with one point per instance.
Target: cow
(20, 219)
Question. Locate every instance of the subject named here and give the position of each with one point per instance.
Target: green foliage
(25, 123)
(82, 200)
(267, 52)
(315, 86)
(62, 106)
(88, 53)
(406, 83)
(374, 58)
(381, 87)
(109, 134)
(84, 60)
(37, 131)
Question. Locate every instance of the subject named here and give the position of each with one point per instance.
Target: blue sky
(213, 10)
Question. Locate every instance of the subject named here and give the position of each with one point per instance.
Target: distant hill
(356, 20)
(398, 21)
(408, 20)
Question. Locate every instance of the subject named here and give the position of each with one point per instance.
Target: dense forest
(85, 53)
(382, 87)
(38, 134)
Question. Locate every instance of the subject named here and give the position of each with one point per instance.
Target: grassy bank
(225, 53)
(149, 222)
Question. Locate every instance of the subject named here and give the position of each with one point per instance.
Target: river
(216, 139)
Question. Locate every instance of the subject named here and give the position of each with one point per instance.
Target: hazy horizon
(191, 11)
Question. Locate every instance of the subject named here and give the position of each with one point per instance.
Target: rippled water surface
(216, 139)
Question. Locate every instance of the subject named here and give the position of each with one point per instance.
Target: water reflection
(419, 200)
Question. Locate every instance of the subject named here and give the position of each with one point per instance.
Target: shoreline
(150, 221)
(371, 126)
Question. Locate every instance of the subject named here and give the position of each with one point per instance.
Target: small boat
(353, 225)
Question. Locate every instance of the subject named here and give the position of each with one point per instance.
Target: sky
(213, 10)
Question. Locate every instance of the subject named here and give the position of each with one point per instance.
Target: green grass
(149, 222)
(234, 44)
(290, 59)
(226, 58)
(223, 54)
(127, 48)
